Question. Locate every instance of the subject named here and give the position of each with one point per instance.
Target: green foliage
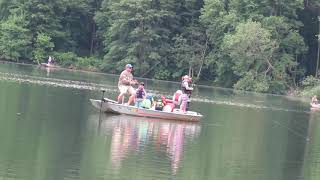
(87, 63)
(78, 22)
(256, 37)
(66, 59)
(310, 81)
(43, 47)
(14, 39)
(71, 60)
(4, 8)
(251, 82)
(138, 33)
(190, 50)
(42, 17)
(256, 45)
(310, 86)
(251, 49)
(162, 74)
(183, 55)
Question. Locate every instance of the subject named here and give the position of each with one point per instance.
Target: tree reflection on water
(132, 135)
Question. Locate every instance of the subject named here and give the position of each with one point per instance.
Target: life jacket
(159, 105)
(140, 93)
(146, 103)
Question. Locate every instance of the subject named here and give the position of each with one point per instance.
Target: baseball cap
(129, 66)
(185, 77)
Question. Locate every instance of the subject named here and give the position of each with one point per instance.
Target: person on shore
(125, 84)
(140, 95)
(314, 100)
(186, 93)
(50, 60)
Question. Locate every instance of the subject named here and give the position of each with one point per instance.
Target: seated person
(140, 95)
(159, 104)
(176, 98)
(147, 102)
(169, 107)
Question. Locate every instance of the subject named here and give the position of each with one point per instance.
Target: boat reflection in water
(132, 136)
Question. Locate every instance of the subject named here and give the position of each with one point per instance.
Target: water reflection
(311, 158)
(133, 135)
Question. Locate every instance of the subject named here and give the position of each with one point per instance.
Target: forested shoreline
(253, 45)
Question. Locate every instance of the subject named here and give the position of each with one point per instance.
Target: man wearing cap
(125, 84)
(186, 93)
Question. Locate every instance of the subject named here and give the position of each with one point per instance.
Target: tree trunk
(316, 74)
(93, 35)
(203, 54)
(294, 73)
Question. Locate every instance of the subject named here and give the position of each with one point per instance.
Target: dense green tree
(44, 17)
(78, 23)
(190, 51)
(5, 6)
(211, 40)
(14, 38)
(69, 24)
(219, 19)
(139, 33)
(280, 18)
(251, 50)
(102, 20)
(191, 42)
(43, 47)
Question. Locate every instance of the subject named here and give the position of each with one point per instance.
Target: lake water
(50, 131)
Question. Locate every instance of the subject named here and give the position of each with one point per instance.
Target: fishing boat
(110, 106)
(49, 65)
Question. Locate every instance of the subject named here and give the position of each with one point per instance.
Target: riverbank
(310, 92)
(96, 71)
(309, 87)
(304, 92)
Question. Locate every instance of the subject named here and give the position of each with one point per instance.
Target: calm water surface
(50, 131)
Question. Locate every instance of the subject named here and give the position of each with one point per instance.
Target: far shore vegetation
(257, 45)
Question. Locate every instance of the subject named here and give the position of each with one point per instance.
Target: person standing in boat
(125, 84)
(186, 93)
